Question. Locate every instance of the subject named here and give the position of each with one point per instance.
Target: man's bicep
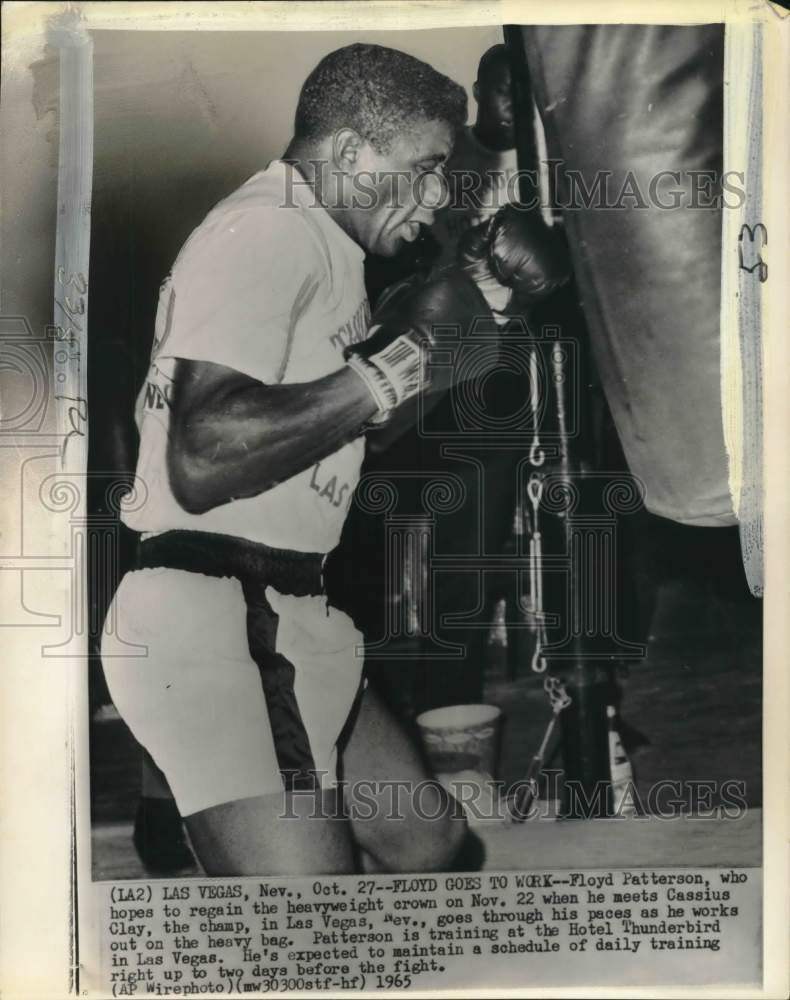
(204, 384)
(202, 395)
(202, 392)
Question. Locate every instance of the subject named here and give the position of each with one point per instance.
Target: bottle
(621, 772)
(498, 640)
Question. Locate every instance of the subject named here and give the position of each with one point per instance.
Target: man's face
(495, 107)
(401, 188)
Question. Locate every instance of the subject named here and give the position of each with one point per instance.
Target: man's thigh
(195, 699)
(196, 703)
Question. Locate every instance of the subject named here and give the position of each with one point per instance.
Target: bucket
(462, 738)
(462, 744)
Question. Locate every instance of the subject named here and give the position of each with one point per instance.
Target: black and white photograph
(386, 421)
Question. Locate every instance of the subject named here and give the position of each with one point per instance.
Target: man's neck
(305, 159)
(487, 141)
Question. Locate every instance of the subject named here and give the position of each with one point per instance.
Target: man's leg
(158, 831)
(196, 703)
(400, 816)
(279, 834)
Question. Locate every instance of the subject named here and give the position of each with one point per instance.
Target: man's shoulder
(268, 201)
(469, 154)
(464, 143)
(260, 219)
(278, 186)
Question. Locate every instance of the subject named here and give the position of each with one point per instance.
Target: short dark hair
(493, 59)
(377, 91)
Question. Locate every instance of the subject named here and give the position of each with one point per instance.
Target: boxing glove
(393, 360)
(473, 256)
(520, 251)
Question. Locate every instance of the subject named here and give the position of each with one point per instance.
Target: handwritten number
(69, 314)
(78, 281)
(75, 308)
(73, 305)
(64, 336)
(760, 266)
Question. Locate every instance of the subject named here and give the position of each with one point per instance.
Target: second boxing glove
(521, 251)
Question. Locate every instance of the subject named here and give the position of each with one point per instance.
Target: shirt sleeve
(238, 289)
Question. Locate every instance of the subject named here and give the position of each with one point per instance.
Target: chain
(536, 454)
(535, 493)
(558, 696)
(520, 802)
(559, 699)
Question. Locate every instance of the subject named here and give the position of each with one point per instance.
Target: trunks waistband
(252, 563)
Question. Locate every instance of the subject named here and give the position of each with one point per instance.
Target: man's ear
(476, 91)
(346, 146)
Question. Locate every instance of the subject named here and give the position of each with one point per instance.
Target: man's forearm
(241, 440)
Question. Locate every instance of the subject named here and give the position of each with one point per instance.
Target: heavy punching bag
(633, 120)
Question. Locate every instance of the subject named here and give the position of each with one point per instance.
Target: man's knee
(425, 831)
(276, 834)
(434, 851)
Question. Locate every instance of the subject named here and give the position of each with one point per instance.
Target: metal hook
(535, 490)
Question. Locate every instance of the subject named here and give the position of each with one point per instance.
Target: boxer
(265, 372)
(482, 172)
